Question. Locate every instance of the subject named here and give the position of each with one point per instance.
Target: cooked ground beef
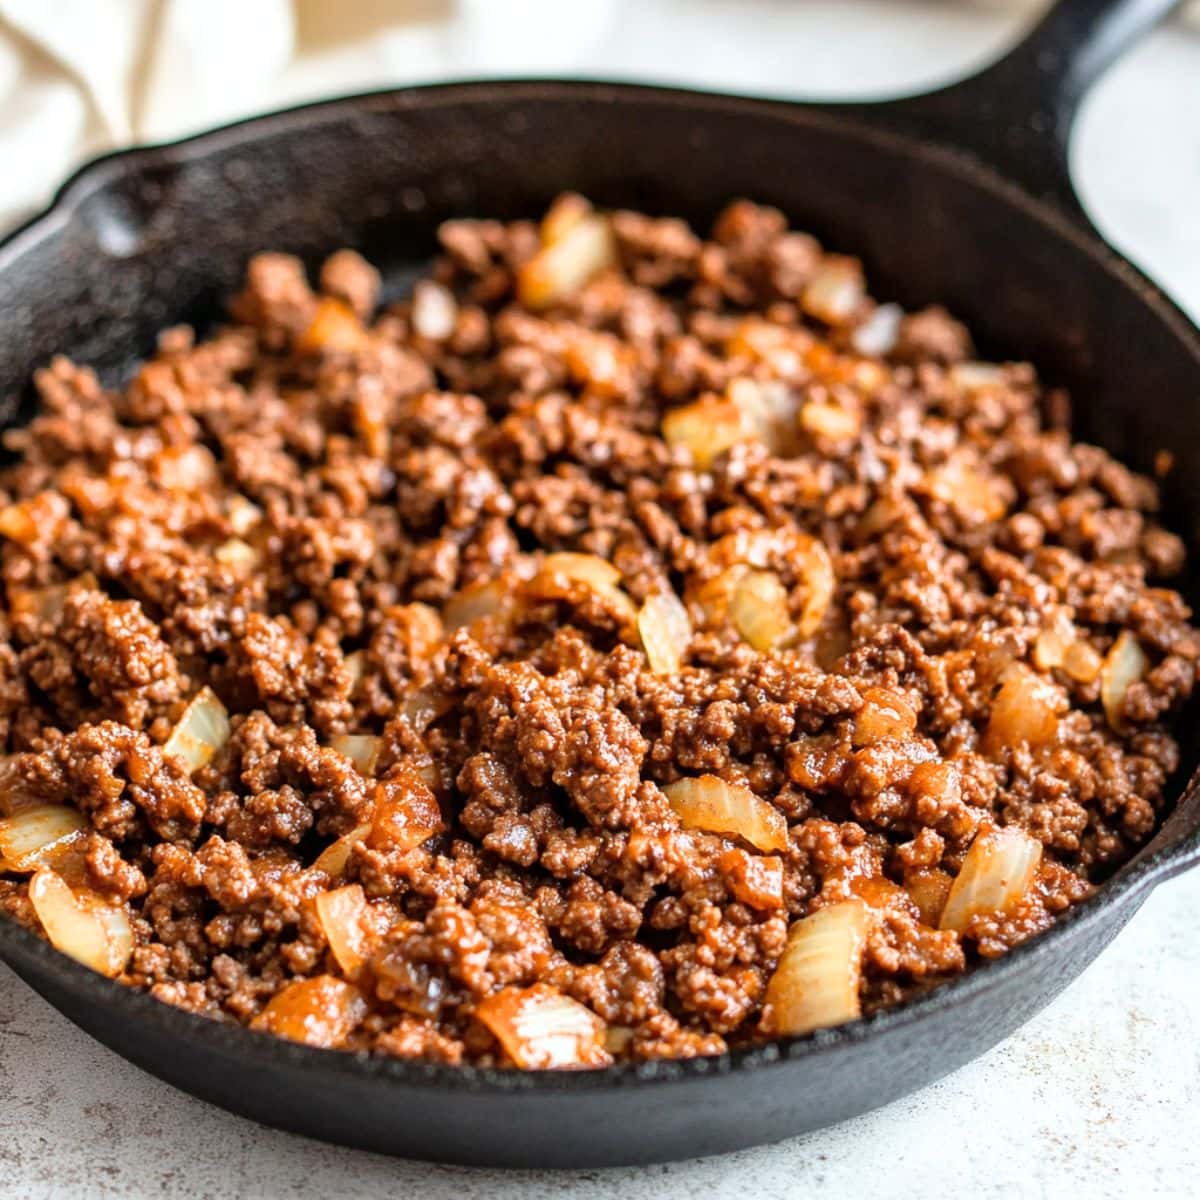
(673, 592)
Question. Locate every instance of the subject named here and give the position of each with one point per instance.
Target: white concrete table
(1099, 1096)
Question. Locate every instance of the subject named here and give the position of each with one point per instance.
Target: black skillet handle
(1016, 115)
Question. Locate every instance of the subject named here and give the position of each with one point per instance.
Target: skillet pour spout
(979, 214)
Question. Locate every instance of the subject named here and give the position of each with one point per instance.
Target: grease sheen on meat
(897, 605)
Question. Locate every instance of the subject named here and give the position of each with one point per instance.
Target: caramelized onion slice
(666, 631)
(707, 428)
(322, 1011)
(884, 714)
(996, 873)
(836, 291)
(201, 733)
(335, 327)
(96, 934)
(561, 268)
(1125, 663)
(928, 887)
(31, 837)
(816, 983)
(541, 1029)
(714, 806)
(341, 915)
(333, 859)
(406, 813)
(434, 310)
(592, 571)
(1025, 710)
(759, 610)
(362, 749)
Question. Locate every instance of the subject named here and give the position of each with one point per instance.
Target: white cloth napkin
(78, 77)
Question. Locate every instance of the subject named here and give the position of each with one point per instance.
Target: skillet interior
(151, 237)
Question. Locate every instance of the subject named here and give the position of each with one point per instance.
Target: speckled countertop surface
(1098, 1096)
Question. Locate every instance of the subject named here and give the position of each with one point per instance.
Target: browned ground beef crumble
(300, 510)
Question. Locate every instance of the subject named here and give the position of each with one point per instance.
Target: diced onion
(341, 915)
(1059, 646)
(759, 610)
(828, 420)
(591, 570)
(33, 836)
(201, 733)
(406, 813)
(239, 555)
(474, 603)
(816, 983)
(333, 859)
(878, 334)
(714, 806)
(1025, 710)
(185, 468)
(95, 934)
(561, 268)
(587, 568)
(355, 665)
(541, 1029)
(242, 515)
(665, 630)
(968, 491)
(835, 292)
(334, 327)
(814, 568)
(563, 215)
(322, 1011)
(707, 428)
(1125, 663)
(975, 376)
(767, 408)
(753, 879)
(996, 873)
(362, 749)
(884, 714)
(434, 311)
(17, 524)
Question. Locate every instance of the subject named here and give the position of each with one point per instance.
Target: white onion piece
(758, 609)
(541, 1029)
(816, 983)
(322, 1011)
(355, 665)
(878, 334)
(714, 806)
(1125, 663)
(563, 215)
(996, 873)
(29, 839)
(707, 428)
(560, 269)
(341, 915)
(434, 311)
(242, 515)
(201, 733)
(235, 553)
(362, 749)
(95, 934)
(1025, 710)
(835, 292)
(592, 571)
(975, 376)
(333, 859)
(665, 630)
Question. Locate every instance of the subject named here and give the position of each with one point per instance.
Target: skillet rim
(878, 123)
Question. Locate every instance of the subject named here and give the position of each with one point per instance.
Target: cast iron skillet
(961, 196)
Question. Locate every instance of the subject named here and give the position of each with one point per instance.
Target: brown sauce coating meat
(892, 607)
